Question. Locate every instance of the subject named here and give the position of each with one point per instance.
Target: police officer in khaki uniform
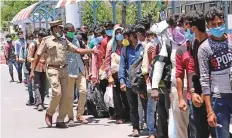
(55, 48)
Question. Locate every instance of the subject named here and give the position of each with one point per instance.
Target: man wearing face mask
(55, 48)
(40, 70)
(215, 58)
(102, 41)
(130, 53)
(195, 28)
(9, 52)
(18, 44)
(121, 106)
(76, 71)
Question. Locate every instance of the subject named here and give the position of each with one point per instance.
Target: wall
(72, 13)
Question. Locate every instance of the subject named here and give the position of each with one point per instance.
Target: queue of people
(173, 78)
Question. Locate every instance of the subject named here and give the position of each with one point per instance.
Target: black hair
(171, 21)
(84, 35)
(196, 18)
(99, 29)
(67, 25)
(139, 28)
(20, 32)
(145, 22)
(212, 13)
(180, 20)
(8, 36)
(129, 30)
(43, 33)
(149, 32)
(108, 24)
(30, 35)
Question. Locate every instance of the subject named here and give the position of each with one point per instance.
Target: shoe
(29, 103)
(71, 122)
(11, 80)
(61, 125)
(135, 133)
(48, 120)
(40, 108)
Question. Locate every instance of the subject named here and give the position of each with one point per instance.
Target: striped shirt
(75, 62)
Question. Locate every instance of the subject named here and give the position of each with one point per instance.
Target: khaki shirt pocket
(52, 50)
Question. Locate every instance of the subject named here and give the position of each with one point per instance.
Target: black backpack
(166, 76)
(95, 101)
(136, 77)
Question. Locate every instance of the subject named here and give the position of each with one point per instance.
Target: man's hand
(111, 81)
(197, 100)
(183, 105)
(42, 61)
(94, 51)
(17, 58)
(212, 120)
(32, 75)
(123, 87)
(155, 94)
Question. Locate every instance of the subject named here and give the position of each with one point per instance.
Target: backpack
(95, 101)
(138, 82)
(136, 77)
(166, 76)
(28, 64)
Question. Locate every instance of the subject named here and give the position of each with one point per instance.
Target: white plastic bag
(108, 97)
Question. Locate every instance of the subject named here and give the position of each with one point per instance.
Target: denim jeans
(29, 87)
(151, 108)
(19, 69)
(12, 62)
(223, 109)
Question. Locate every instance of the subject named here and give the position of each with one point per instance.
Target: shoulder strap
(125, 54)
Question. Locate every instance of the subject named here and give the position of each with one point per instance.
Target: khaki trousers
(58, 79)
(81, 85)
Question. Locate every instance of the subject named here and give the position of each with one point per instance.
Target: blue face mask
(99, 39)
(119, 37)
(219, 31)
(90, 37)
(109, 32)
(188, 35)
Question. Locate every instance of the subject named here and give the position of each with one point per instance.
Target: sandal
(120, 121)
(82, 120)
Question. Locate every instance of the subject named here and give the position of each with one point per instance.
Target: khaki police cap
(56, 23)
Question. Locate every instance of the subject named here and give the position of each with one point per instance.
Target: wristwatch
(192, 90)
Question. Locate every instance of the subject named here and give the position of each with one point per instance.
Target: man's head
(69, 31)
(129, 35)
(109, 28)
(215, 22)
(57, 28)
(21, 36)
(171, 21)
(99, 33)
(140, 32)
(42, 33)
(8, 38)
(194, 24)
(150, 35)
(118, 34)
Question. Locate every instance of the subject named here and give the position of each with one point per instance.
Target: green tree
(11, 8)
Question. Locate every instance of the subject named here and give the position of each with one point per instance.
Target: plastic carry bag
(108, 97)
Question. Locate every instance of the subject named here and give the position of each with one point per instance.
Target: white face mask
(21, 36)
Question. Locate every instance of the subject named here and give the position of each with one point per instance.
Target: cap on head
(56, 23)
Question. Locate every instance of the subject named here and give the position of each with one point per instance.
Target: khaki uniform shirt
(55, 50)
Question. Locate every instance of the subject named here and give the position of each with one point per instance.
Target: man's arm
(122, 70)
(180, 71)
(17, 49)
(21, 54)
(31, 51)
(74, 49)
(203, 58)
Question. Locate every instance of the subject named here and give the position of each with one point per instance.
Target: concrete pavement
(21, 121)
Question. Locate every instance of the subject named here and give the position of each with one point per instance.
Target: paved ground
(21, 121)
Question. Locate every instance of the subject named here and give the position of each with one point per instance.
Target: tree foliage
(11, 8)
(104, 12)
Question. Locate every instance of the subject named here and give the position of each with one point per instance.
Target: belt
(58, 66)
